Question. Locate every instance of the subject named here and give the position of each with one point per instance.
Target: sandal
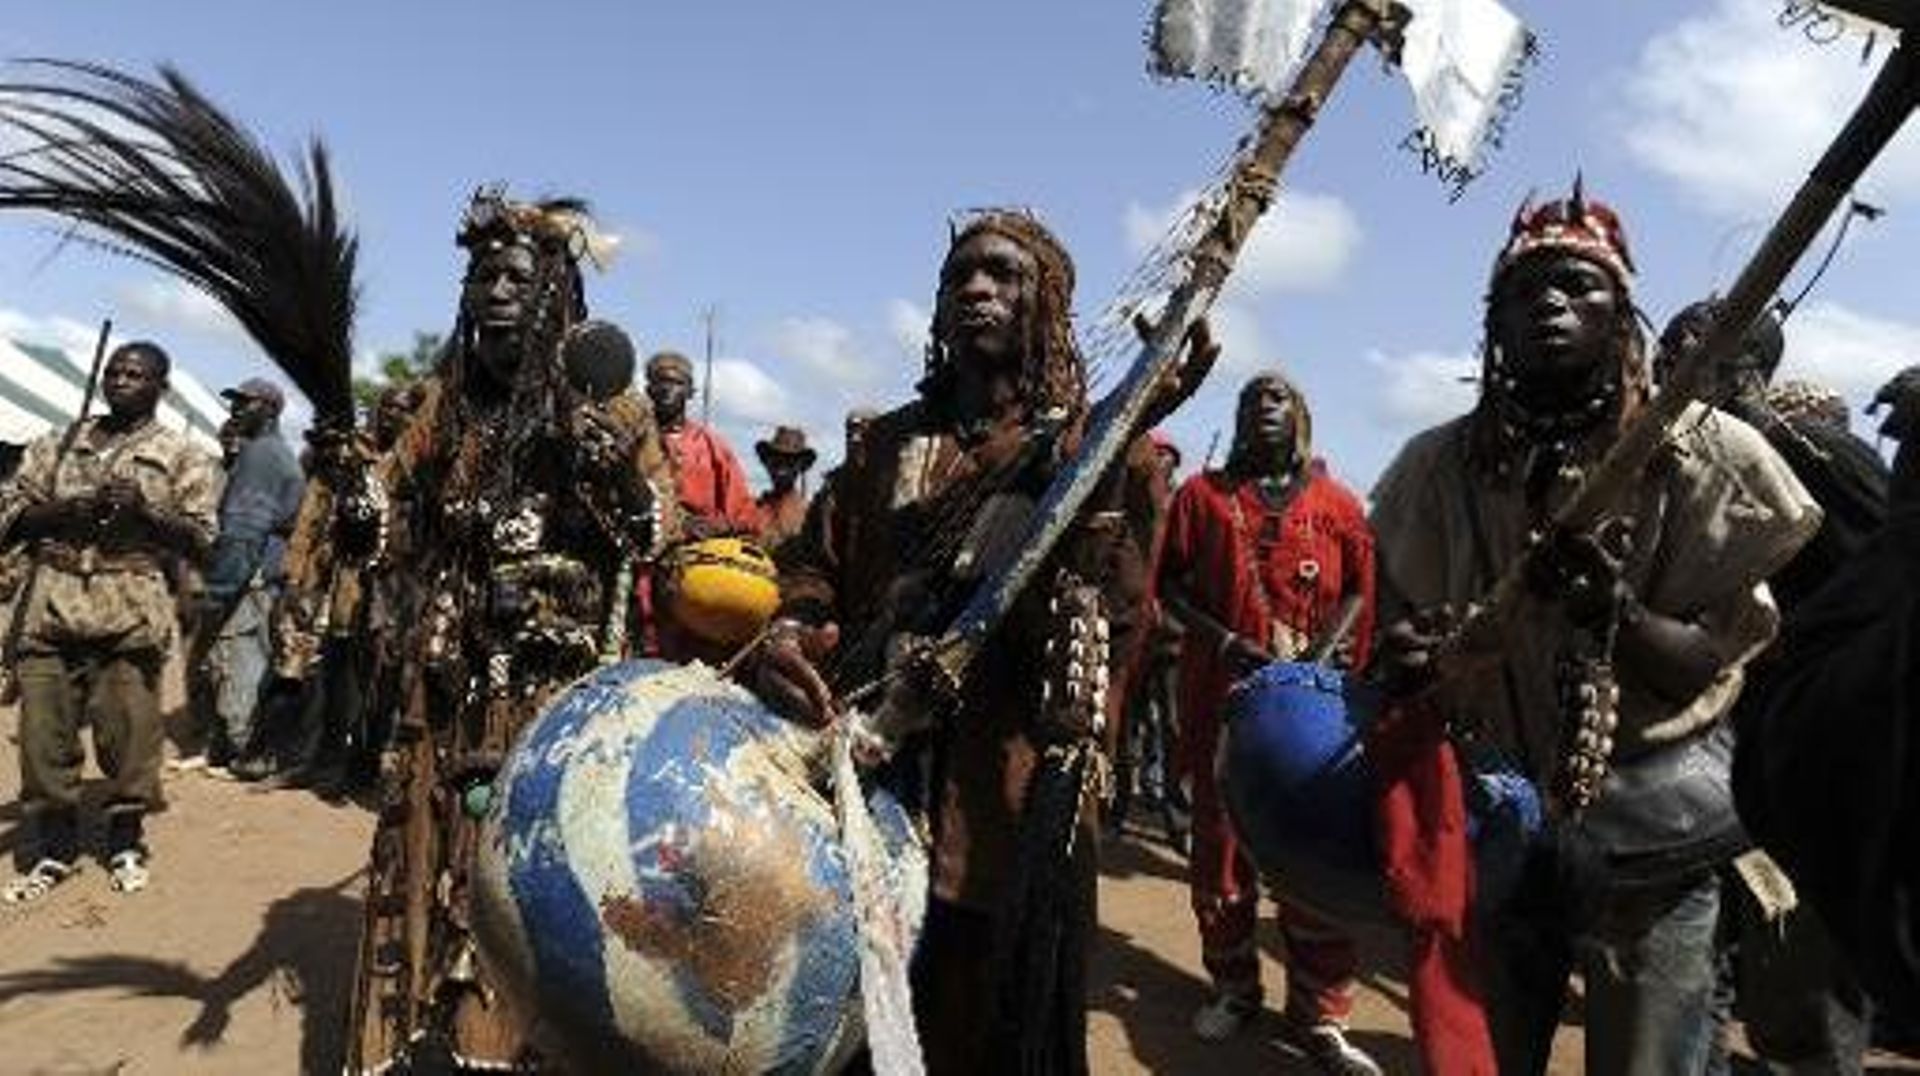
(38, 882)
(127, 871)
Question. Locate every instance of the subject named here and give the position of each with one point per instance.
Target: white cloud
(1423, 388)
(824, 347)
(1303, 244)
(744, 392)
(1734, 110)
(368, 362)
(172, 304)
(910, 326)
(1846, 350)
(1237, 330)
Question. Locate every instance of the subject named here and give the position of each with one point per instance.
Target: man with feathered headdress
(537, 504)
(891, 549)
(1610, 692)
(539, 496)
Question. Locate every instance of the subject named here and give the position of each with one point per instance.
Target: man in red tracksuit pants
(1267, 549)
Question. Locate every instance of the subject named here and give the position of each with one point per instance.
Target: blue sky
(795, 166)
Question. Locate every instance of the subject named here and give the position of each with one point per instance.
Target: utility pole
(711, 317)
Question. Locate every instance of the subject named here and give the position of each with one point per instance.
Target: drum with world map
(661, 883)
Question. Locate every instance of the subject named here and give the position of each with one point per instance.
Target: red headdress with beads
(1576, 225)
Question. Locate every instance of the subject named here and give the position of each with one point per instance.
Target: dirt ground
(238, 959)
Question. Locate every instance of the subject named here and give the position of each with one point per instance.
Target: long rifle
(1893, 97)
(17, 623)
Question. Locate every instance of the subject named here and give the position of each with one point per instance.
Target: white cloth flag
(1459, 58)
(1250, 46)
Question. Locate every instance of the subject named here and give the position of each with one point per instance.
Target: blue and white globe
(661, 885)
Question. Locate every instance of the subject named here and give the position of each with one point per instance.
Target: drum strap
(1252, 560)
(889, 899)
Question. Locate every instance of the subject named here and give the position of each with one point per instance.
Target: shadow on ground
(1128, 856)
(297, 954)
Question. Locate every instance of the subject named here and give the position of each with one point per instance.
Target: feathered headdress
(1588, 229)
(1577, 225)
(561, 224)
(156, 172)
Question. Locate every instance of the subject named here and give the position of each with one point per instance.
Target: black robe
(1827, 776)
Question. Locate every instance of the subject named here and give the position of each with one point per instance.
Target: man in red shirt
(712, 485)
(1265, 551)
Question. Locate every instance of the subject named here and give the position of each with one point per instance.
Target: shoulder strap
(1250, 563)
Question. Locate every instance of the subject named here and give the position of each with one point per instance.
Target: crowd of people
(384, 611)
(292, 652)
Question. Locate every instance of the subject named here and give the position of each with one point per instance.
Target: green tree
(399, 368)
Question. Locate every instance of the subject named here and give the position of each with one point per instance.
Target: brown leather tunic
(883, 552)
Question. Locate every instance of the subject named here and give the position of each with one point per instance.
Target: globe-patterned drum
(1301, 792)
(661, 885)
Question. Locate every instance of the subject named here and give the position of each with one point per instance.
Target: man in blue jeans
(257, 506)
(1611, 691)
(1781, 975)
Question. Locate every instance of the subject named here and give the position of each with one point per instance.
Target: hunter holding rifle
(1625, 657)
(106, 511)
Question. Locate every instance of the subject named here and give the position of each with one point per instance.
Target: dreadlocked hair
(1504, 427)
(1053, 377)
(559, 232)
(1238, 459)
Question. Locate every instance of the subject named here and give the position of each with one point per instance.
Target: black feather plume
(156, 172)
